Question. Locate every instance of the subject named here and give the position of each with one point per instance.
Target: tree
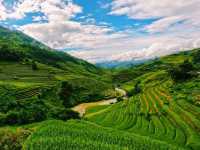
(186, 66)
(12, 118)
(137, 88)
(9, 53)
(119, 99)
(65, 93)
(34, 65)
(196, 58)
(182, 72)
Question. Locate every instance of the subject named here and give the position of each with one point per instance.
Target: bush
(119, 99)
(137, 88)
(10, 54)
(34, 65)
(64, 114)
(182, 72)
(65, 93)
(2, 119)
(25, 112)
(12, 118)
(130, 93)
(13, 141)
(196, 58)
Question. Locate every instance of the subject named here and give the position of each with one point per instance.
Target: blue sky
(107, 30)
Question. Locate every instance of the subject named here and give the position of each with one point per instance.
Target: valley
(50, 100)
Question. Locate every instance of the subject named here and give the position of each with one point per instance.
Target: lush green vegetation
(88, 136)
(161, 110)
(162, 113)
(12, 140)
(155, 114)
(95, 109)
(167, 106)
(34, 79)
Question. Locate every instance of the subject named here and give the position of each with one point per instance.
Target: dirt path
(121, 92)
(81, 108)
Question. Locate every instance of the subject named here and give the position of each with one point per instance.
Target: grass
(154, 113)
(160, 117)
(82, 135)
(96, 109)
(163, 115)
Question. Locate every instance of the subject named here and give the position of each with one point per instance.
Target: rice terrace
(105, 75)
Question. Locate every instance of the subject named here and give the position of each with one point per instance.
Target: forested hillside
(39, 86)
(37, 82)
(161, 111)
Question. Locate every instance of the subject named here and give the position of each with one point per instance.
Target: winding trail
(81, 108)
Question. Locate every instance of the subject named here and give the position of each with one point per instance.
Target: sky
(107, 30)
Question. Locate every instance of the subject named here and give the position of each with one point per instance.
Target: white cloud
(19, 10)
(142, 9)
(104, 5)
(39, 18)
(164, 24)
(2, 11)
(59, 10)
(145, 47)
(69, 34)
(177, 27)
(54, 10)
(167, 12)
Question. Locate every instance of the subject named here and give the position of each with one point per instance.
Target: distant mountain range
(119, 64)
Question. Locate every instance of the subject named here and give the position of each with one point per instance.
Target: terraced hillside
(38, 83)
(156, 114)
(160, 113)
(76, 135)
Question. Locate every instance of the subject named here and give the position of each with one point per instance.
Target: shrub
(182, 72)
(196, 58)
(119, 99)
(65, 93)
(34, 65)
(137, 88)
(25, 112)
(2, 119)
(13, 141)
(64, 114)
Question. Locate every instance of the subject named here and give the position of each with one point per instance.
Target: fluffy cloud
(176, 27)
(58, 10)
(67, 34)
(39, 18)
(141, 48)
(19, 9)
(164, 24)
(177, 23)
(2, 11)
(167, 12)
(54, 10)
(141, 9)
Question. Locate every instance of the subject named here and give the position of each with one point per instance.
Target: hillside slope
(161, 112)
(163, 101)
(37, 82)
(16, 46)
